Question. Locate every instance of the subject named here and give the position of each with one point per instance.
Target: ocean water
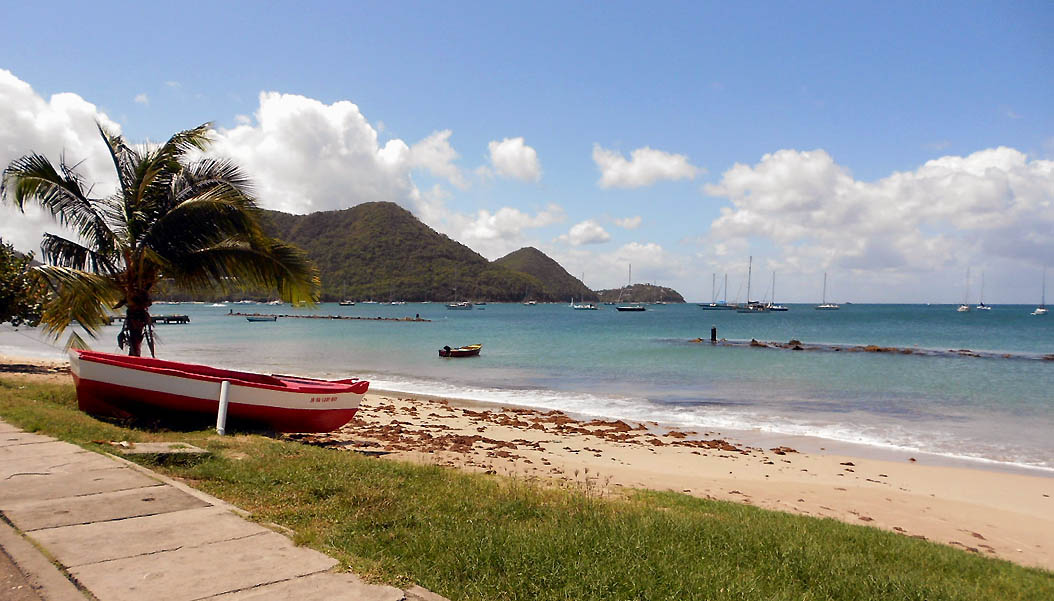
(643, 366)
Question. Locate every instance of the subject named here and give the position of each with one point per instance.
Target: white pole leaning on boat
(221, 415)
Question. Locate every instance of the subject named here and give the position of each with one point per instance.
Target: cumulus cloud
(513, 159)
(63, 125)
(142, 99)
(435, 154)
(306, 156)
(645, 167)
(629, 223)
(586, 232)
(508, 221)
(950, 211)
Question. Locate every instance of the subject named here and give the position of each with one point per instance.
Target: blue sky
(821, 105)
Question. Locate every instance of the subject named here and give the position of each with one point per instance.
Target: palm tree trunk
(136, 322)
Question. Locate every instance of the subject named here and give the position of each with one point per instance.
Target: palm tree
(176, 215)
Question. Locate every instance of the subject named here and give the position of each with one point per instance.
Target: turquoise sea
(642, 366)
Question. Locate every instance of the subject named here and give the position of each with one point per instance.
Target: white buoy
(221, 415)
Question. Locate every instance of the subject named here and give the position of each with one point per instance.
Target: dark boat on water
(471, 350)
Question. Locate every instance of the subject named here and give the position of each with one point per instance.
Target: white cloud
(586, 232)
(435, 154)
(509, 222)
(951, 211)
(491, 233)
(173, 84)
(63, 125)
(305, 156)
(513, 159)
(629, 223)
(142, 99)
(645, 167)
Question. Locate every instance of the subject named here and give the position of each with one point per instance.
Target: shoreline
(993, 512)
(804, 443)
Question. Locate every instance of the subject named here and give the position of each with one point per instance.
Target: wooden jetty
(153, 319)
(352, 317)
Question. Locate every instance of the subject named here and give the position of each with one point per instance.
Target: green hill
(641, 293)
(380, 251)
(557, 284)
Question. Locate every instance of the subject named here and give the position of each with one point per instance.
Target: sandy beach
(993, 513)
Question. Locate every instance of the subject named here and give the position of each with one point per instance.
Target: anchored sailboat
(632, 306)
(714, 305)
(751, 306)
(772, 305)
(965, 307)
(1042, 308)
(980, 304)
(824, 305)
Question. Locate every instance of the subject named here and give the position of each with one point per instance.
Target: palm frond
(238, 265)
(75, 296)
(209, 173)
(62, 193)
(196, 138)
(66, 253)
(76, 341)
(209, 218)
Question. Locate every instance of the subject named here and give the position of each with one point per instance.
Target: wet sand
(992, 513)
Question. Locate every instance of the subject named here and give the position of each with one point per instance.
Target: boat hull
(464, 351)
(123, 387)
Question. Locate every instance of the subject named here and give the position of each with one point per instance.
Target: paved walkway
(123, 533)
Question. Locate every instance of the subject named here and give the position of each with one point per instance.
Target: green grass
(470, 536)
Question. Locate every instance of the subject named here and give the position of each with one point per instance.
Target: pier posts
(713, 334)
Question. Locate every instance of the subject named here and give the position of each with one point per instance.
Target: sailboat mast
(713, 288)
(726, 288)
(966, 291)
(750, 265)
(773, 299)
(824, 301)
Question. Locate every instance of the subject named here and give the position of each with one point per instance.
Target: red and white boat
(122, 386)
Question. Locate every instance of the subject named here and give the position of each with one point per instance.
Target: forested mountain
(380, 251)
(641, 293)
(557, 283)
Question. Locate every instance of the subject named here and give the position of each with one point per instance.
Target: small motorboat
(121, 386)
(634, 307)
(471, 350)
(261, 318)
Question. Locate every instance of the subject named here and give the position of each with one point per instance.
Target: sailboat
(772, 305)
(347, 302)
(632, 306)
(980, 304)
(714, 305)
(824, 305)
(456, 305)
(965, 307)
(751, 306)
(527, 297)
(1042, 308)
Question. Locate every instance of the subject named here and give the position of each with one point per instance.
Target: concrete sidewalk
(123, 533)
